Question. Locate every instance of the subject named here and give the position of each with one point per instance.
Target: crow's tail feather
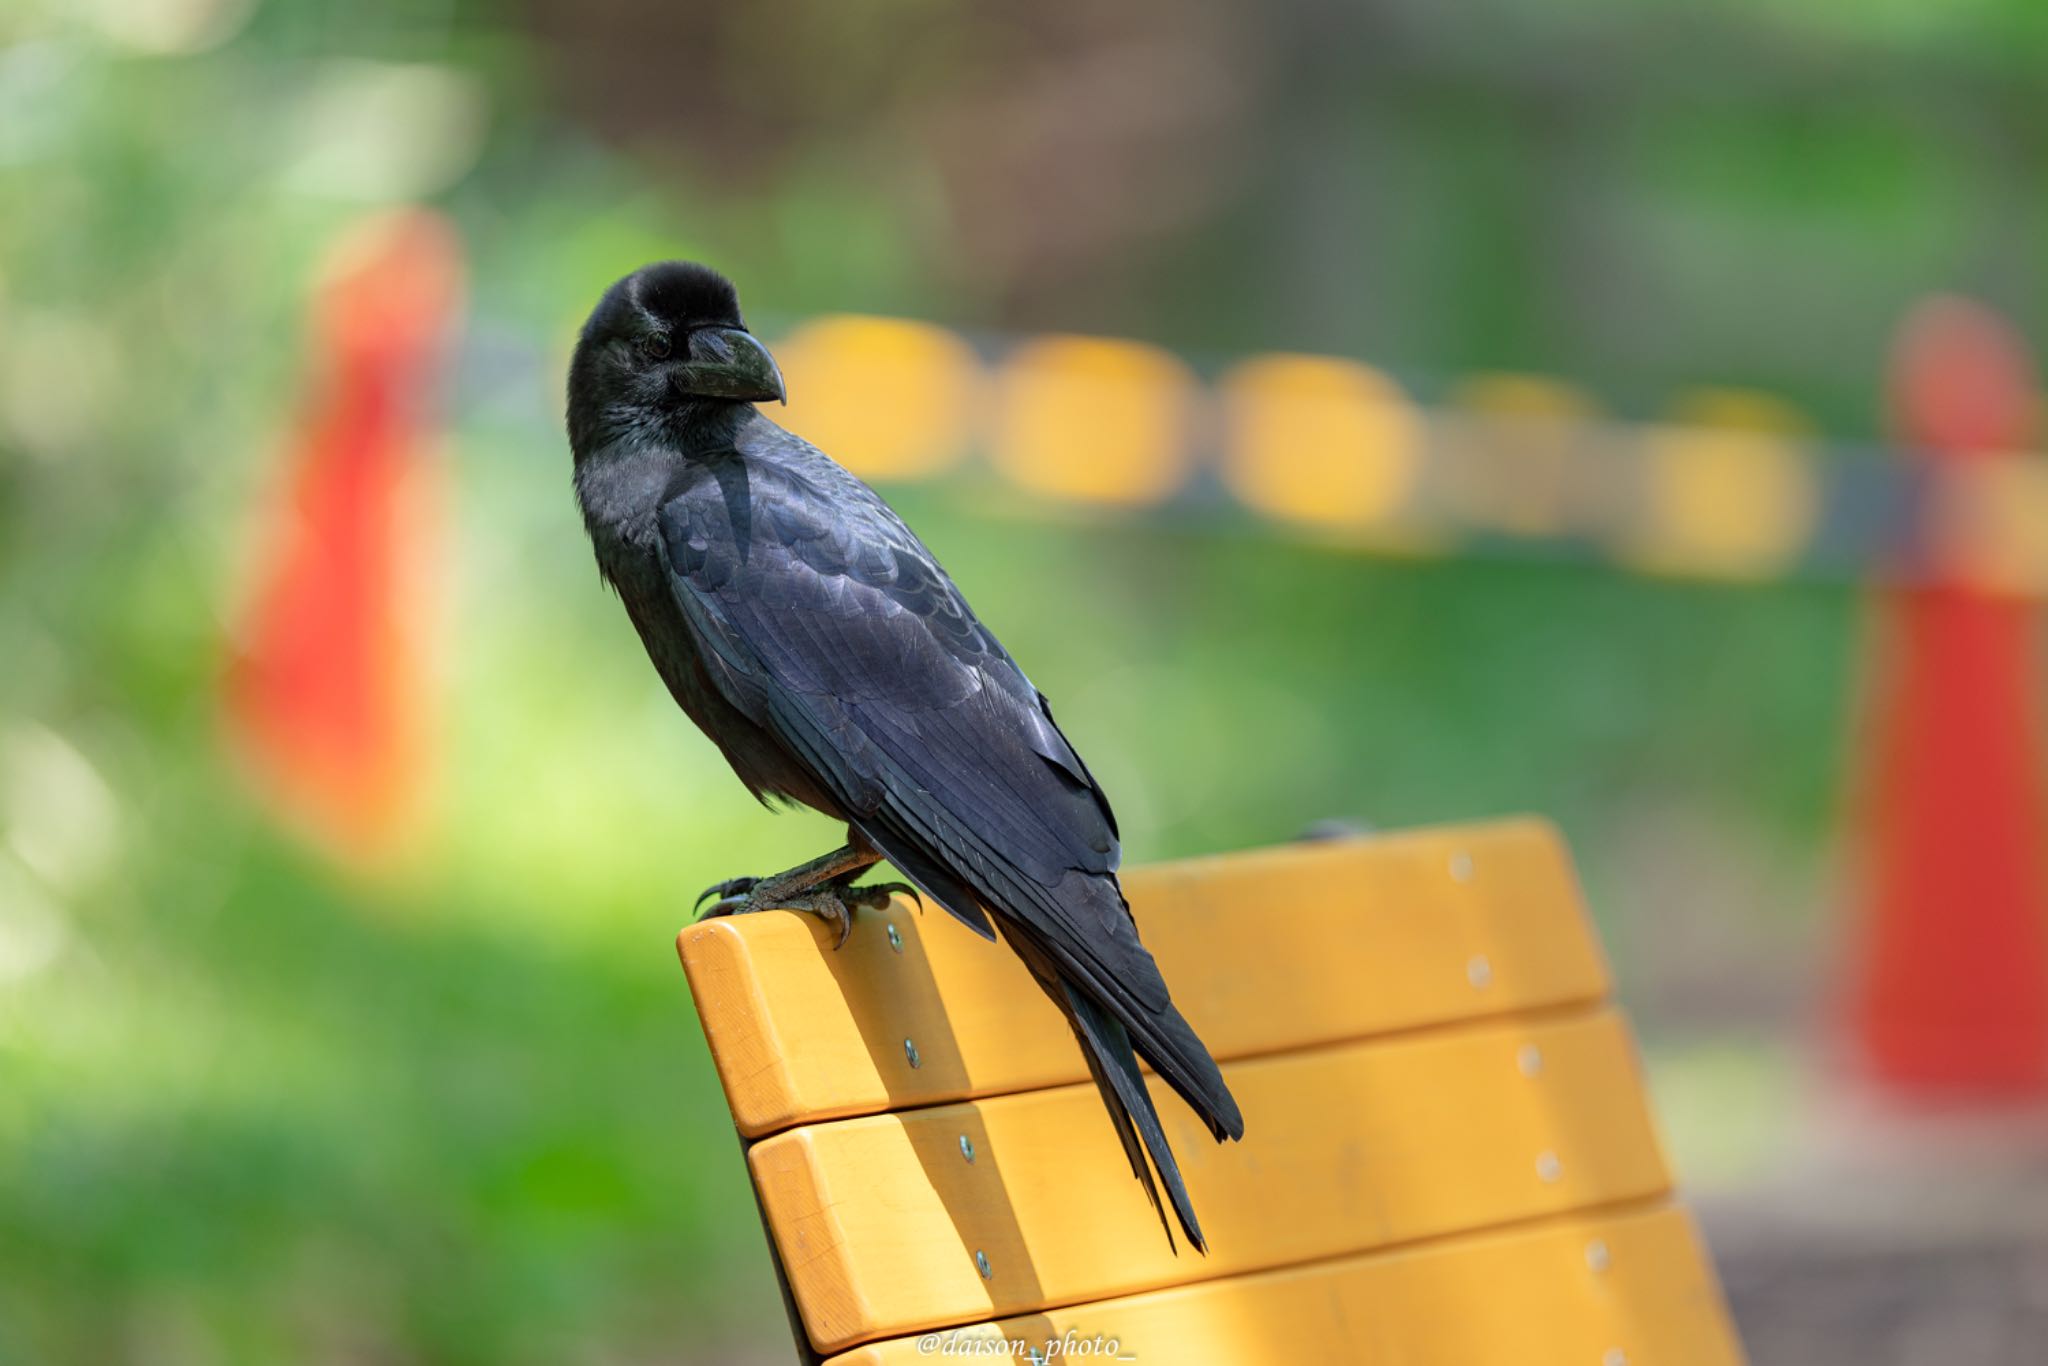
(1165, 1040)
(1114, 1066)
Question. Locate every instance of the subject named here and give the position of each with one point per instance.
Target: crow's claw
(843, 913)
(726, 905)
(877, 895)
(726, 891)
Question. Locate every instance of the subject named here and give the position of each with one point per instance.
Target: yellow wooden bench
(1448, 1159)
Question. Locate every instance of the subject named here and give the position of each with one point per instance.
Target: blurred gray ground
(1932, 1251)
(1804, 1301)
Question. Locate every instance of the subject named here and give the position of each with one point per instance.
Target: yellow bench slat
(1362, 1145)
(1265, 952)
(1621, 1287)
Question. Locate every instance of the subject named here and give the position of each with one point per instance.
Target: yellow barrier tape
(889, 399)
(1323, 443)
(1731, 488)
(1091, 420)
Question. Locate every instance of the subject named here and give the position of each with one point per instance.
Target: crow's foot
(834, 902)
(831, 904)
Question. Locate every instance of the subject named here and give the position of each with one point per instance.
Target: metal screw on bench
(1461, 866)
(1530, 1060)
(895, 939)
(1479, 972)
(967, 1147)
(1597, 1255)
(1615, 1357)
(910, 1052)
(1548, 1167)
(981, 1264)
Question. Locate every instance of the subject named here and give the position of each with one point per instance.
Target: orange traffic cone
(1949, 997)
(326, 688)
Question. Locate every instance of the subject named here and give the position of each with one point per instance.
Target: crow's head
(666, 340)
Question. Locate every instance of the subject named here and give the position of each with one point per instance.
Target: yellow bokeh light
(1522, 455)
(1093, 420)
(1744, 410)
(1729, 491)
(888, 399)
(1989, 523)
(1734, 504)
(1524, 396)
(1319, 441)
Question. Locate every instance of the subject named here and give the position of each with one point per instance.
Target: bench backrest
(1448, 1155)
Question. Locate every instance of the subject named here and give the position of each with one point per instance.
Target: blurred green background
(254, 1109)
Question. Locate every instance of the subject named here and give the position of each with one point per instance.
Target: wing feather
(838, 633)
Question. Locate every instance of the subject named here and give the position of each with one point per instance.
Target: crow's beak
(725, 362)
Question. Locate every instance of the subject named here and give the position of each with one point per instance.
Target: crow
(812, 636)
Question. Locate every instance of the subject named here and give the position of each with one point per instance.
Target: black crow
(811, 635)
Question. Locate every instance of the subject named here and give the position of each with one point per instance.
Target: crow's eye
(657, 345)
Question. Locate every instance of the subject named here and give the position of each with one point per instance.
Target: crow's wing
(825, 620)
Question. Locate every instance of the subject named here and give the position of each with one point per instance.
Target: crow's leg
(823, 887)
(845, 864)
(877, 895)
